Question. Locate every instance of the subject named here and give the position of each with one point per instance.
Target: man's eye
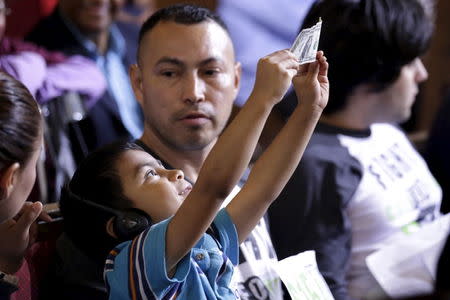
(168, 74)
(150, 173)
(211, 72)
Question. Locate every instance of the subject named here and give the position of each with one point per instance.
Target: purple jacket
(50, 74)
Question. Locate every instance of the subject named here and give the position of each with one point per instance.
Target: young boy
(190, 249)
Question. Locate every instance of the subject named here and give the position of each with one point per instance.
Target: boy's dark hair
(20, 122)
(368, 42)
(186, 14)
(96, 180)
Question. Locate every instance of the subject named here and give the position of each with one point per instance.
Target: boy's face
(397, 99)
(151, 187)
(186, 83)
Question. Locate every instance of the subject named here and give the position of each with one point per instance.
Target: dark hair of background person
(96, 180)
(20, 122)
(368, 42)
(436, 152)
(182, 14)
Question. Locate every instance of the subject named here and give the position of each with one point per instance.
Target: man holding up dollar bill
(360, 182)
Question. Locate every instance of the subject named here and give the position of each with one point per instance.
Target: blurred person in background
(87, 28)
(361, 183)
(49, 76)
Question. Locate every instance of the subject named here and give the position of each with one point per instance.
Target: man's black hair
(368, 42)
(186, 14)
(95, 180)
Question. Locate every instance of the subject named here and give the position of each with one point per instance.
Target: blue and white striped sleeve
(141, 265)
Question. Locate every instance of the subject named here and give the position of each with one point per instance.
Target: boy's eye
(150, 173)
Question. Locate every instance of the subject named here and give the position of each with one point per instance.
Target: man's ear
(136, 83)
(8, 178)
(237, 76)
(110, 228)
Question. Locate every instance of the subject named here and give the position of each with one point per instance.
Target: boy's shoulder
(136, 266)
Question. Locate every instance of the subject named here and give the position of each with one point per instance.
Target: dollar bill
(307, 43)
